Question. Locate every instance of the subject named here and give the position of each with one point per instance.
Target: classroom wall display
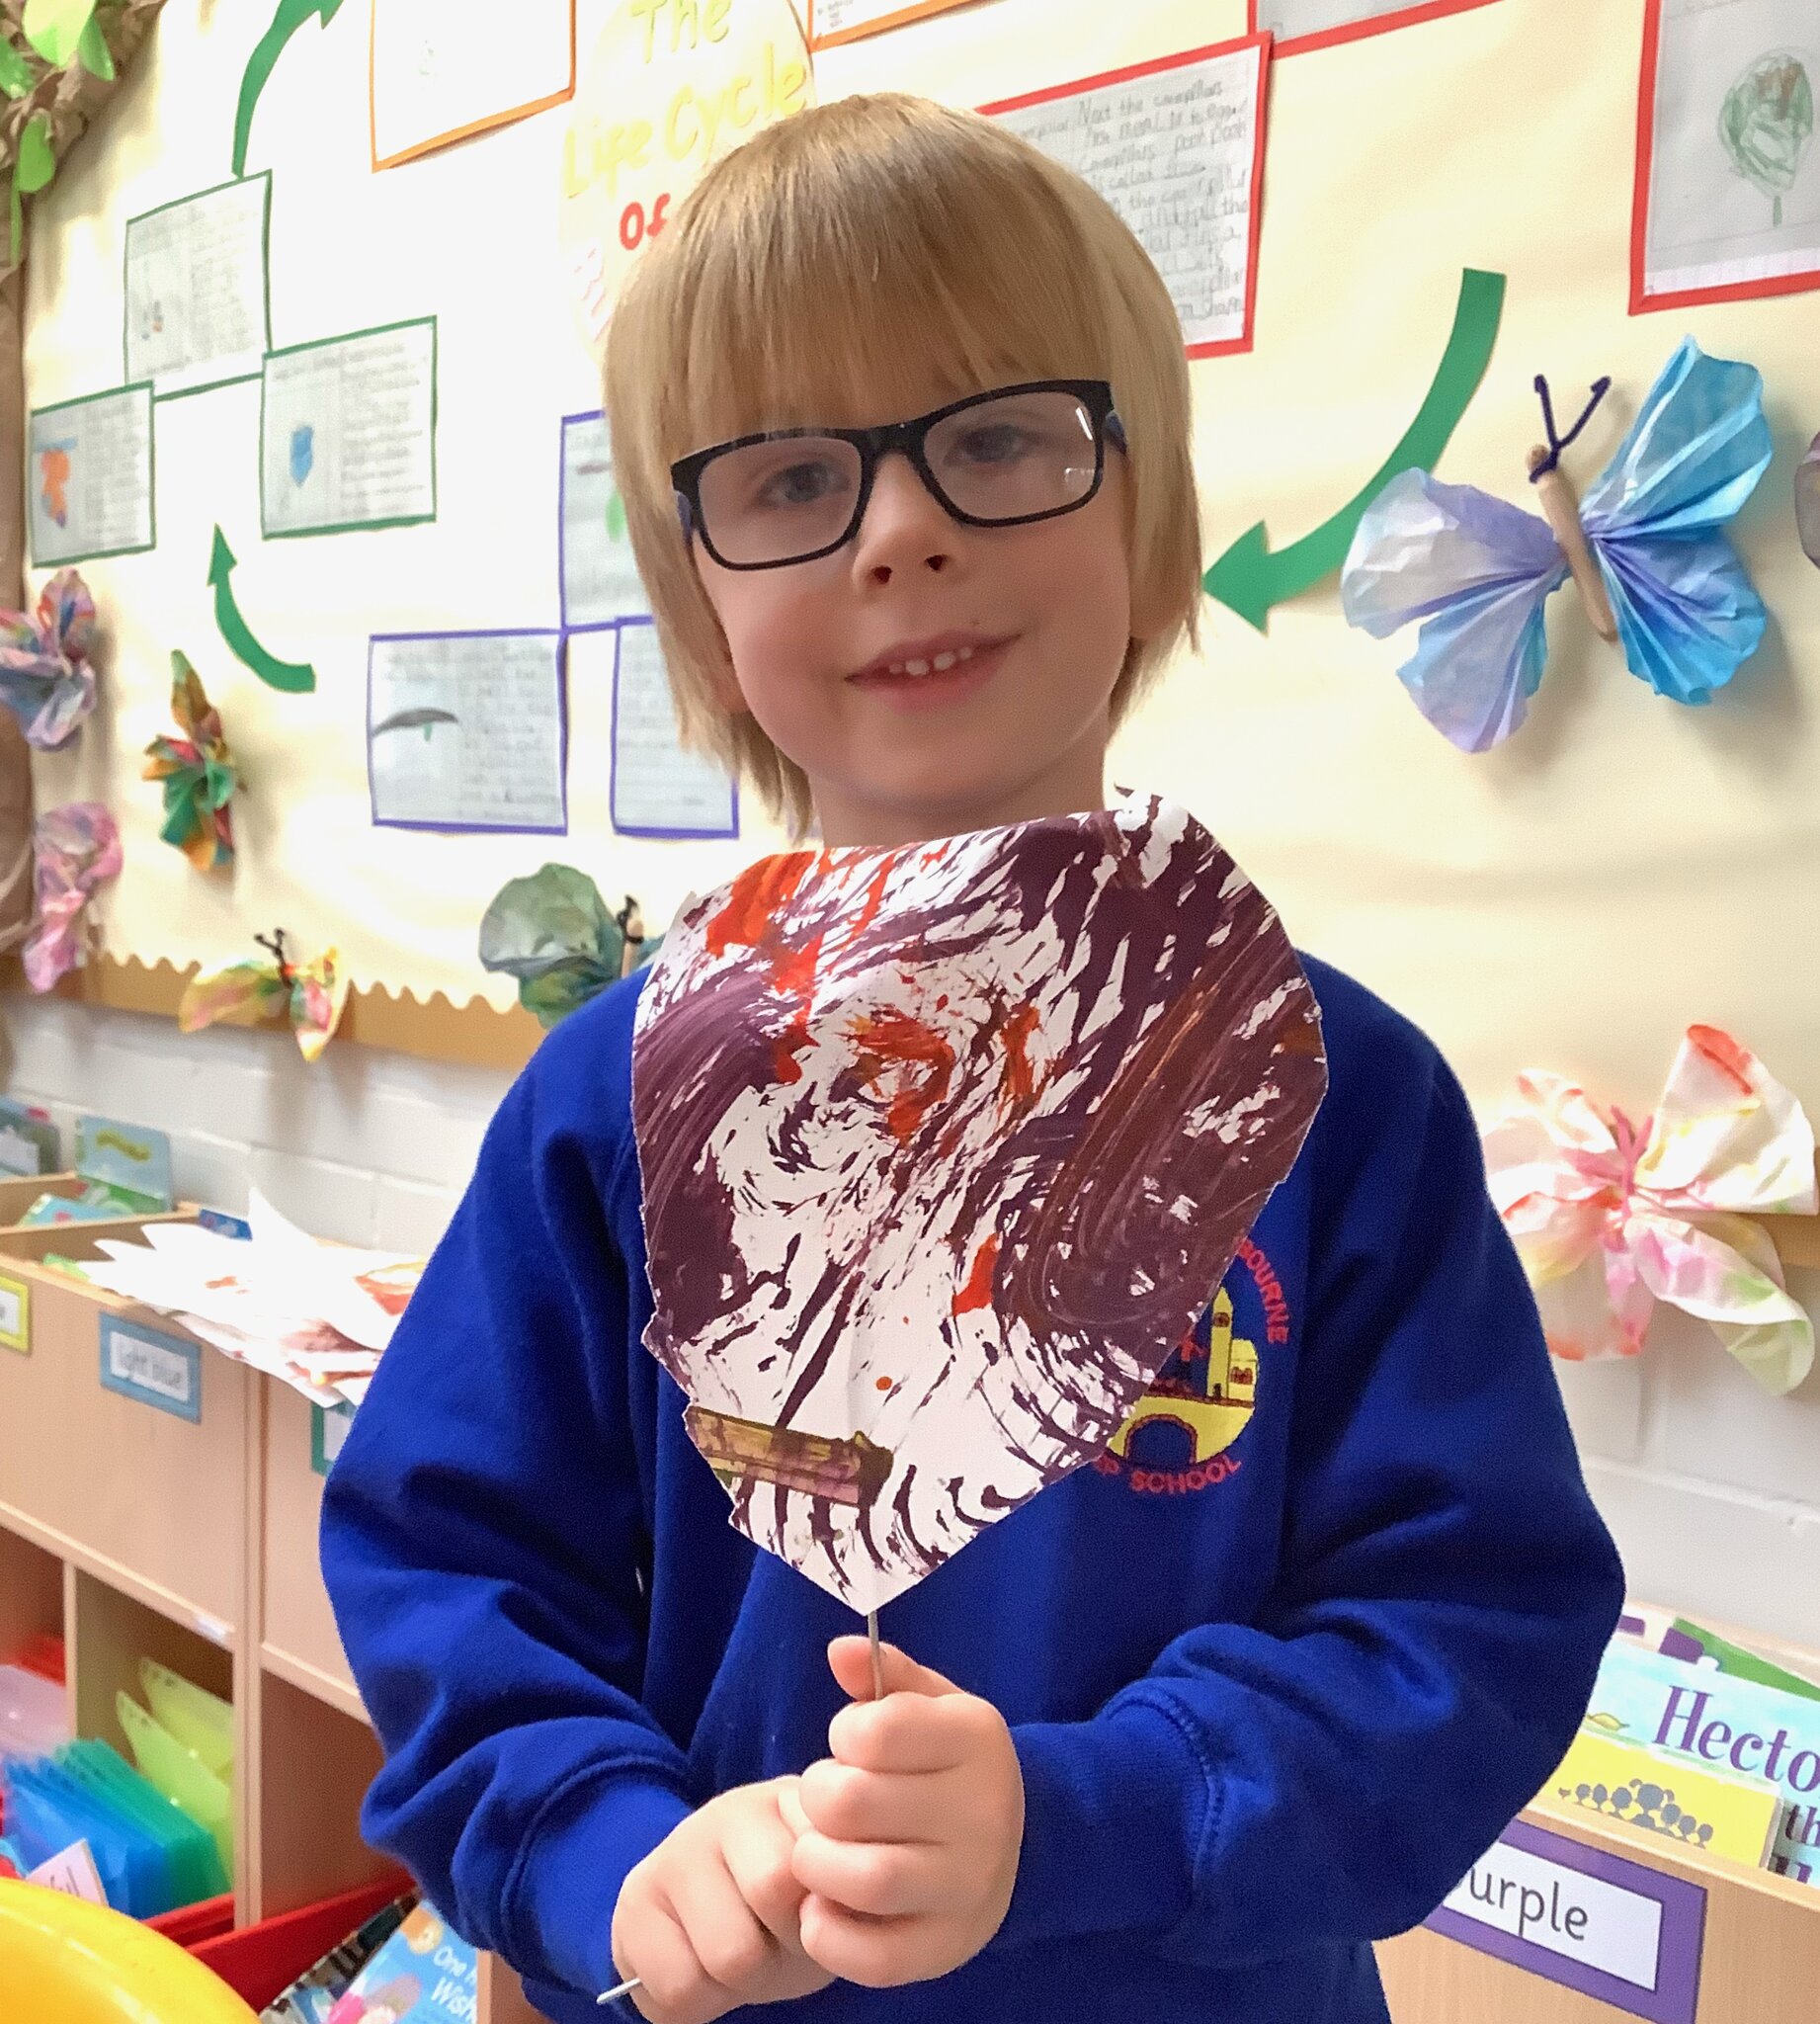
(1727, 201)
(1575, 898)
(833, 22)
(445, 70)
(1301, 25)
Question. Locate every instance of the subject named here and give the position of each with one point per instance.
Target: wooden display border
(435, 1028)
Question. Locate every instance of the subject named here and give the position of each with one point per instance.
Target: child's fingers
(850, 1659)
(758, 1857)
(672, 1987)
(907, 1733)
(889, 1880)
(732, 1947)
(850, 1805)
(872, 1953)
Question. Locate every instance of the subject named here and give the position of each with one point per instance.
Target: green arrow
(292, 676)
(1250, 579)
(291, 16)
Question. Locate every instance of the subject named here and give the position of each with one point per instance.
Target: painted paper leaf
(318, 995)
(46, 679)
(552, 931)
(945, 1148)
(237, 987)
(199, 774)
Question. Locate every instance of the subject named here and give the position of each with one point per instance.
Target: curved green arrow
(291, 16)
(294, 676)
(1250, 579)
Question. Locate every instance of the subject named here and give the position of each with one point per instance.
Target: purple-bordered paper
(1592, 1921)
(467, 733)
(658, 787)
(597, 580)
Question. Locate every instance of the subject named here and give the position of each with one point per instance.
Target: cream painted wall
(1624, 867)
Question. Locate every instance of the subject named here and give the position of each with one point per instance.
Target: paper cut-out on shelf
(1250, 578)
(1608, 1217)
(1646, 547)
(944, 1149)
(199, 774)
(553, 933)
(46, 679)
(294, 678)
(312, 994)
(75, 848)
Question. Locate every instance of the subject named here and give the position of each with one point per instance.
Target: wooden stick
(1562, 512)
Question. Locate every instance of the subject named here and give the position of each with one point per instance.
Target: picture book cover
(1619, 1781)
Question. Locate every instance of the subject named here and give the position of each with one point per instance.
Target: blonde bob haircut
(846, 266)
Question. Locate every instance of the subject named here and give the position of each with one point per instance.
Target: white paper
(491, 755)
(442, 67)
(1173, 152)
(600, 580)
(659, 788)
(72, 1871)
(195, 289)
(1291, 19)
(348, 434)
(90, 484)
(836, 17)
(1735, 185)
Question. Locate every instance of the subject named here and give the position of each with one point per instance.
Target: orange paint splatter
(874, 895)
(885, 1383)
(901, 1038)
(1724, 1053)
(753, 903)
(1019, 1084)
(977, 1292)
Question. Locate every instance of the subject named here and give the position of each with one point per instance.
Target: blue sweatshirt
(1277, 1668)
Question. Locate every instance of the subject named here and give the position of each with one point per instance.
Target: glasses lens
(1019, 455)
(770, 502)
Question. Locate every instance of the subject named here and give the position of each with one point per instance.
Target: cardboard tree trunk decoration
(47, 101)
(945, 1148)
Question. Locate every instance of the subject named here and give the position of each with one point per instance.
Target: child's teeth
(964, 653)
(944, 661)
(916, 667)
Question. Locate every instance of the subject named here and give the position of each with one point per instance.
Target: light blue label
(163, 1370)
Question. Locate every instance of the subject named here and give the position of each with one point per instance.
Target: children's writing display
(1622, 867)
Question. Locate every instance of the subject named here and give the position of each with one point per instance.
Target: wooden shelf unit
(130, 1531)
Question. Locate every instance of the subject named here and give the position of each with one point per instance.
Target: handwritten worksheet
(442, 70)
(89, 486)
(658, 787)
(845, 21)
(1727, 201)
(348, 431)
(1177, 149)
(465, 730)
(195, 289)
(1301, 25)
(600, 580)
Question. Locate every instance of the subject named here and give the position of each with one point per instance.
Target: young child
(1186, 1734)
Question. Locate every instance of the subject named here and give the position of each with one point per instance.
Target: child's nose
(905, 527)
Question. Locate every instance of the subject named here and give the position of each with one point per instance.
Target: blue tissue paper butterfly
(1644, 546)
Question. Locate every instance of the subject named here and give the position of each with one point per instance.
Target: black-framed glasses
(1001, 459)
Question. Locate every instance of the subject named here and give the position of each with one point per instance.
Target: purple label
(1596, 1922)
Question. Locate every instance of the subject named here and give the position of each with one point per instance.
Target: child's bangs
(869, 291)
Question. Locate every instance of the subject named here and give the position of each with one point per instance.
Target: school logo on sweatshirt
(1177, 1437)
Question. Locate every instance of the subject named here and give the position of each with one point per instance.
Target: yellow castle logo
(1213, 1408)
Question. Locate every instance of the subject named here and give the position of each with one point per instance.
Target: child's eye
(994, 443)
(804, 483)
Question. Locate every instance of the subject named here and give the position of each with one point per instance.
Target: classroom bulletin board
(1572, 899)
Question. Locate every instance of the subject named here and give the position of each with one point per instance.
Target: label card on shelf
(328, 1429)
(15, 1315)
(164, 1371)
(1592, 1921)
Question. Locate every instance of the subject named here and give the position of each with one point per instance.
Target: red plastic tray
(260, 1962)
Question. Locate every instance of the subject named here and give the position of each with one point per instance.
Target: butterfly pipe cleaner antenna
(625, 1987)
(1554, 493)
(274, 945)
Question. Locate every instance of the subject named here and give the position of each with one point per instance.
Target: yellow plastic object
(201, 1722)
(180, 1774)
(63, 1961)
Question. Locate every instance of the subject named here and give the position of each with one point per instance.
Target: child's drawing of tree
(1767, 124)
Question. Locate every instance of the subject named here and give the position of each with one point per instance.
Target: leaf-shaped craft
(312, 995)
(45, 677)
(553, 933)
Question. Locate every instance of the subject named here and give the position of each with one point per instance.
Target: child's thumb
(851, 1661)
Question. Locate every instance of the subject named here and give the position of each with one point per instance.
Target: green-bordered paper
(328, 1429)
(347, 432)
(91, 482)
(199, 264)
(14, 1313)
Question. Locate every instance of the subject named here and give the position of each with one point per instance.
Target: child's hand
(708, 1920)
(913, 1825)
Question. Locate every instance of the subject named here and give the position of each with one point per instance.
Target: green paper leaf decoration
(553, 932)
(37, 163)
(91, 51)
(55, 27)
(17, 76)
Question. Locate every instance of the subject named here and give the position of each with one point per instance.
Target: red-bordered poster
(1728, 197)
(832, 21)
(1300, 24)
(1171, 145)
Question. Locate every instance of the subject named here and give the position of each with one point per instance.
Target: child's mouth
(924, 680)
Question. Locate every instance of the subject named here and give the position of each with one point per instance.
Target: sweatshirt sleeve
(1327, 1774)
(482, 1533)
